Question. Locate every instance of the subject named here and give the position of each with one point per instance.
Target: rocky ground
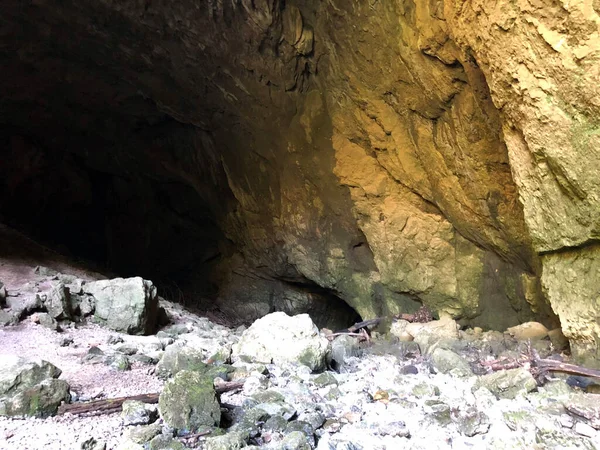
(420, 386)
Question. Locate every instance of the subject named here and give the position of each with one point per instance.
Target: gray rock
(342, 348)
(30, 388)
(178, 357)
(446, 361)
(127, 349)
(24, 304)
(82, 304)
(56, 301)
(472, 422)
(315, 418)
(44, 271)
(118, 362)
(275, 424)
(233, 440)
(278, 409)
(138, 413)
(128, 305)
(47, 321)
(424, 389)
(395, 429)
(66, 341)
(8, 318)
(95, 355)
(189, 401)
(279, 338)
(93, 444)
(296, 440)
(162, 442)
(507, 383)
(325, 379)
(144, 433)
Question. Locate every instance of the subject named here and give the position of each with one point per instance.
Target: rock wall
(302, 154)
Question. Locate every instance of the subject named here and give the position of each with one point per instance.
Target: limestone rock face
(329, 158)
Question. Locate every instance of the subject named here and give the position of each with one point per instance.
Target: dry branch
(539, 367)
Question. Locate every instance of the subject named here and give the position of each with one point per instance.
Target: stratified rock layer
(303, 156)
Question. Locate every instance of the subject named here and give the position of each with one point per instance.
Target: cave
(348, 160)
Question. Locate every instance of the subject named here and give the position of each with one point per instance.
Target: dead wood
(360, 325)
(112, 405)
(539, 367)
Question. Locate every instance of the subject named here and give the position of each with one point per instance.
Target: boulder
(24, 304)
(430, 333)
(30, 388)
(446, 361)
(528, 331)
(342, 348)
(507, 383)
(126, 305)
(189, 402)
(56, 300)
(179, 357)
(138, 413)
(279, 338)
(398, 329)
(2, 295)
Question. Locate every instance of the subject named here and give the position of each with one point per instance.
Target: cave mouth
(97, 171)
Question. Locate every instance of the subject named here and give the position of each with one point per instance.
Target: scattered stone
(325, 379)
(127, 349)
(446, 361)
(423, 390)
(66, 341)
(57, 302)
(95, 355)
(189, 402)
(430, 333)
(296, 440)
(233, 440)
(162, 442)
(24, 304)
(178, 357)
(409, 369)
(30, 388)
(93, 444)
(584, 429)
(528, 331)
(279, 338)
(127, 305)
(342, 348)
(114, 339)
(398, 329)
(138, 413)
(83, 305)
(47, 321)
(144, 433)
(586, 406)
(8, 318)
(472, 422)
(394, 429)
(507, 383)
(45, 271)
